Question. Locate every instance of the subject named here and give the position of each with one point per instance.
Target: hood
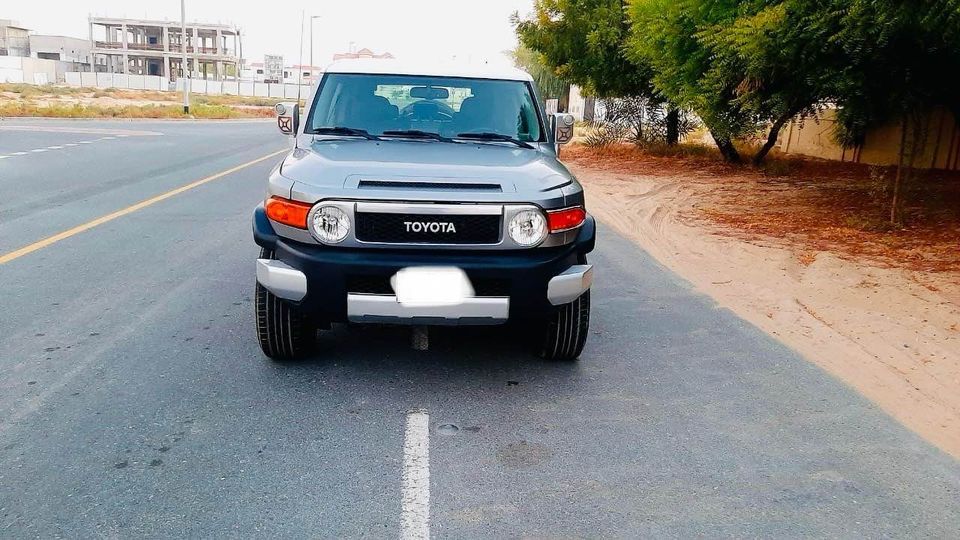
(345, 164)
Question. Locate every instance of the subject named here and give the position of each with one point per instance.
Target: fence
(197, 86)
(939, 149)
(16, 69)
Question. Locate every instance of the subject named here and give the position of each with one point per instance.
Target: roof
(116, 21)
(10, 23)
(436, 69)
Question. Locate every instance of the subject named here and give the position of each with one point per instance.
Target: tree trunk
(727, 150)
(771, 138)
(895, 217)
(673, 126)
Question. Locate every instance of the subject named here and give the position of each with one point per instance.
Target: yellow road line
(128, 210)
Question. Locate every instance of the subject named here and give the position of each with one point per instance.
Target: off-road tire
(567, 330)
(283, 331)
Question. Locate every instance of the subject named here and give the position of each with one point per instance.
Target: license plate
(431, 286)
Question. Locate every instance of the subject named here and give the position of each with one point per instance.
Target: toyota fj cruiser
(422, 196)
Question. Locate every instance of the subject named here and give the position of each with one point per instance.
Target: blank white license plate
(432, 286)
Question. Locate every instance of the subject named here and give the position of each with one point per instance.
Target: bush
(640, 120)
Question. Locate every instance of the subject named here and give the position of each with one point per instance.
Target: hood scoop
(413, 184)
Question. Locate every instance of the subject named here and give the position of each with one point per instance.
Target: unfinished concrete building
(14, 39)
(142, 47)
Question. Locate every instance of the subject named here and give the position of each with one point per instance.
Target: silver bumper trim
(281, 279)
(383, 308)
(570, 284)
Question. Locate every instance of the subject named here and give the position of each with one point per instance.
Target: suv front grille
(427, 228)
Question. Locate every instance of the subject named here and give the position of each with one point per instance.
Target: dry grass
(67, 102)
(26, 109)
(811, 205)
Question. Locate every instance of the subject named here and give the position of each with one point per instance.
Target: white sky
(475, 30)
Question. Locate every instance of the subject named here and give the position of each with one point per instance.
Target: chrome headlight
(528, 228)
(330, 224)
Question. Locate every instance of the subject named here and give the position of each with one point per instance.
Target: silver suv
(424, 196)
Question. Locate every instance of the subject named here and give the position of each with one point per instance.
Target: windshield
(450, 107)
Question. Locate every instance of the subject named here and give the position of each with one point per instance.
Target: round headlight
(528, 227)
(330, 224)
(281, 109)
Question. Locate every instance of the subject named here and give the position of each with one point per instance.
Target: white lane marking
(81, 130)
(415, 488)
(61, 147)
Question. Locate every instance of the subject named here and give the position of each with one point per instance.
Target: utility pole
(183, 49)
(312, 17)
(303, 14)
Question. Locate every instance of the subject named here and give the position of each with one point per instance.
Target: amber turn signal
(566, 219)
(292, 213)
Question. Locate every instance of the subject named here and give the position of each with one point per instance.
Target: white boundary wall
(197, 86)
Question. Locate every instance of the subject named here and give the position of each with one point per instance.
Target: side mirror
(288, 117)
(563, 127)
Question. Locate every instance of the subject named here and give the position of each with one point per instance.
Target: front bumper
(322, 280)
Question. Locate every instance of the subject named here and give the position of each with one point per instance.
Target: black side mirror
(563, 127)
(288, 117)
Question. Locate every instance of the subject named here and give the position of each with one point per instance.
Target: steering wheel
(427, 110)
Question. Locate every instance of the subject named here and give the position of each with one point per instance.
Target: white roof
(390, 66)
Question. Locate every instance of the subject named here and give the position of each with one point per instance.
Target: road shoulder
(889, 333)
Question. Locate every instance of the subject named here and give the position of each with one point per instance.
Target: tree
(773, 55)
(583, 41)
(664, 37)
(741, 65)
(551, 86)
(897, 60)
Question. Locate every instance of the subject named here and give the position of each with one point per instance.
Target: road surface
(135, 401)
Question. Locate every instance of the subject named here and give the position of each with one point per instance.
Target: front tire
(567, 330)
(283, 331)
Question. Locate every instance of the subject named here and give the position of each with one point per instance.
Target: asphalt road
(134, 401)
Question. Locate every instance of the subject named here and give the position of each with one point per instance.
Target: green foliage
(550, 86)
(583, 41)
(895, 58)
(668, 36)
(745, 64)
(734, 63)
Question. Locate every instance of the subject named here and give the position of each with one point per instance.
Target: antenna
(300, 67)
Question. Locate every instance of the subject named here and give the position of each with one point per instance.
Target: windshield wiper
(341, 130)
(416, 134)
(490, 136)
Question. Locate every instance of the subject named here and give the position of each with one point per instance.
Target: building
(582, 107)
(14, 39)
(362, 53)
(272, 70)
(305, 73)
(62, 48)
(143, 47)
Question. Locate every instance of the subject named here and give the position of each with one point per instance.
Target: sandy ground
(891, 333)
